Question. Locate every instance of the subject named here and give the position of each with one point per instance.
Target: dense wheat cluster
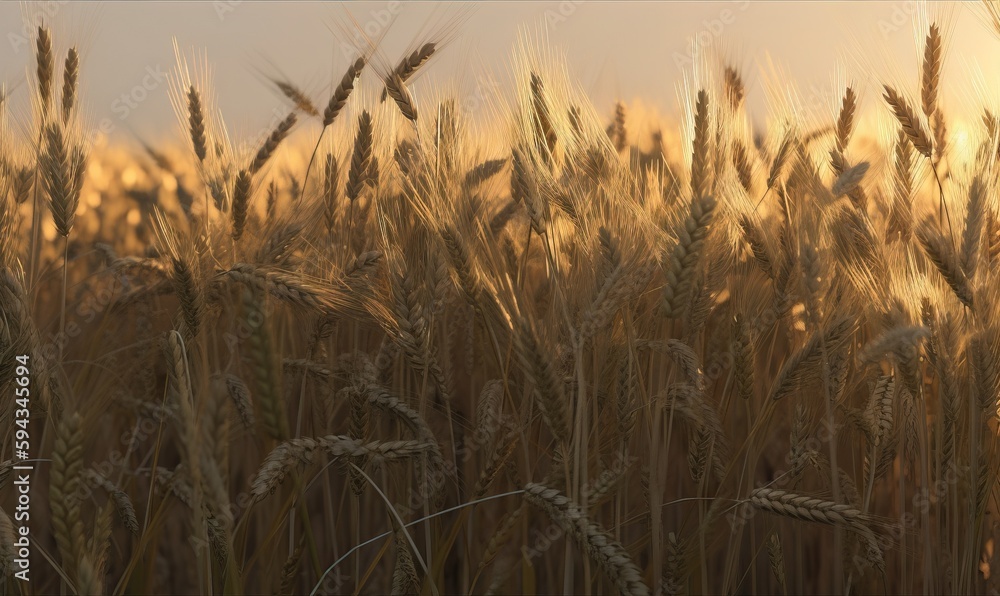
(383, 349)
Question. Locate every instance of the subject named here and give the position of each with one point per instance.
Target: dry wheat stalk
(744, 357)
(412, 62)
(785, 151)
(196, 123)
(45, 67)
(941, 253)
(878, 413)
(241, 202)
(802, 363)
(62, 175)
(343, 91)
(609, 555)
(397, 90)
(616, 130)
(741, 163)
(290, 570)
(931, 79)
(545, 134)
(777, 559)
(123, 504)
(811, 509)
(189, 292)
(297, 453)
(265, 370)
(909, 122)
(286, 287)
(404, 575)
(685, 257)
(238, 391)
(360, 171)
(331, 182)
(297, 96)
(71, 71)
(65, 478)
(271, 143)
(734, 89)
(974, 223)
(845, 121)
(700, 151)
(540, 370)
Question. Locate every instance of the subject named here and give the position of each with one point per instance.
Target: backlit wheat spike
(931, 79)
(974, 224)
(189, 292)
(343, 91)
(297, 97)
(733, 85)
(62, 175)
(44, 67)
(901, 215)
(196, 123)
(616, 130)
(942, 255)
(71, 71)
(741, 162)
(700, 152)
(685, 257)
(396, 88)
(781, 158)
(241, 202)
(545, 134)
(271, 143)
(409, 65)
(360, 171)
(845, 121)
(909, 122)
(803, 362)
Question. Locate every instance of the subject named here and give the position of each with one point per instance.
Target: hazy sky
(614, 49)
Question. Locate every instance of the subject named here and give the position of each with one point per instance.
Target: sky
(614, 50)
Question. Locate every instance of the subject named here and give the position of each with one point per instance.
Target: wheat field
(385, 348)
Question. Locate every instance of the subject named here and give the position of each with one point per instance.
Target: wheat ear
(65, 479)
(71, 71)
(196, 123)
(44, 67)
(909, 122)
(609, 555)
(931, 79)
(271, 143)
